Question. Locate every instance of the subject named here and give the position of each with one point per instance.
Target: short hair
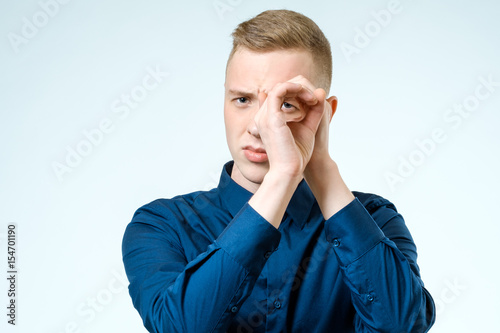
(274, 30)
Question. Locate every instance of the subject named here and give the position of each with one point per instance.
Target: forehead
(249, 70)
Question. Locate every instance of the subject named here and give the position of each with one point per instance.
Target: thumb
(315, 113)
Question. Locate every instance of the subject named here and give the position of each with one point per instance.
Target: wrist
(328, 187)
(319, 165)
(273, 196)
(283, 181)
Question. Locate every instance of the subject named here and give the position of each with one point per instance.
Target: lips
(255, 154)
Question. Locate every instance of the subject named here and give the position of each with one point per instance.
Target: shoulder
(172, 208)
(166, 207)
(163, 219)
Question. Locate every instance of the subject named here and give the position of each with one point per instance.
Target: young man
(281, 245)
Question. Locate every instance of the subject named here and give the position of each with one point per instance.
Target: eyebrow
(241, 93)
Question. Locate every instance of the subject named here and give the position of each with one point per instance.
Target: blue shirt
(208, 262)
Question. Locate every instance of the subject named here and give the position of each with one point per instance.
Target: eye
(242, 100)
(288, 106)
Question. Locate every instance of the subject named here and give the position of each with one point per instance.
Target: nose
(252, 126)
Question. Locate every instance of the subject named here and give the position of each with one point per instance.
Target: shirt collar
(235, 197)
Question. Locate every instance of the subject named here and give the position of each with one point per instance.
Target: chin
(256, 178)
(253, 172)
(256, 173)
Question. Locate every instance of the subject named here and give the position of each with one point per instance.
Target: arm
(173, 294)
(378, 264)
(378, 259)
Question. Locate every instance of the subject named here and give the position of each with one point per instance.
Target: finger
(290, 90)
(299, 114)
(302, 80)
(307, 96)
(316, 112)
(267, 117)
(262, 97)
(320, 94)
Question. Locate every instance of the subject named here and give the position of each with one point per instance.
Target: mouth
(256, 155)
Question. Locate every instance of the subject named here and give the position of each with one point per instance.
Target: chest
(300, 282)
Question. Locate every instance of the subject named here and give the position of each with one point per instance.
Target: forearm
(198, 300)
(169, 287)
(332, 194)
(379, 266)
(387, 295)
(273, 196)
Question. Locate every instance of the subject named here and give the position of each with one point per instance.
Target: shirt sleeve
(378, 259)
(202, 295)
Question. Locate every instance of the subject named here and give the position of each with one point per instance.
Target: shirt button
(370, 298)
(277, 304)
(336, 242)
(267, 255)
(234, 309)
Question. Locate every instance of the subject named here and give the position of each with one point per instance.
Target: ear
(332, 100)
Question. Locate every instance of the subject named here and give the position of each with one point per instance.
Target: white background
(64, 77)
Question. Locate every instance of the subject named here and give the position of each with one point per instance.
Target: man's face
(248, 74)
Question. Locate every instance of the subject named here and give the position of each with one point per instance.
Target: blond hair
(274, 30)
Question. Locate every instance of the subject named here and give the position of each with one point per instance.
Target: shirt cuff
(352, 232)
(249, 239)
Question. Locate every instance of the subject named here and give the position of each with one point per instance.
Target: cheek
(231, 124)
(235, 121)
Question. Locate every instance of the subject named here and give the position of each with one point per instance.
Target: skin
(277, 124)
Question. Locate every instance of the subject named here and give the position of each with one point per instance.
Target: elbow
(417, 316)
